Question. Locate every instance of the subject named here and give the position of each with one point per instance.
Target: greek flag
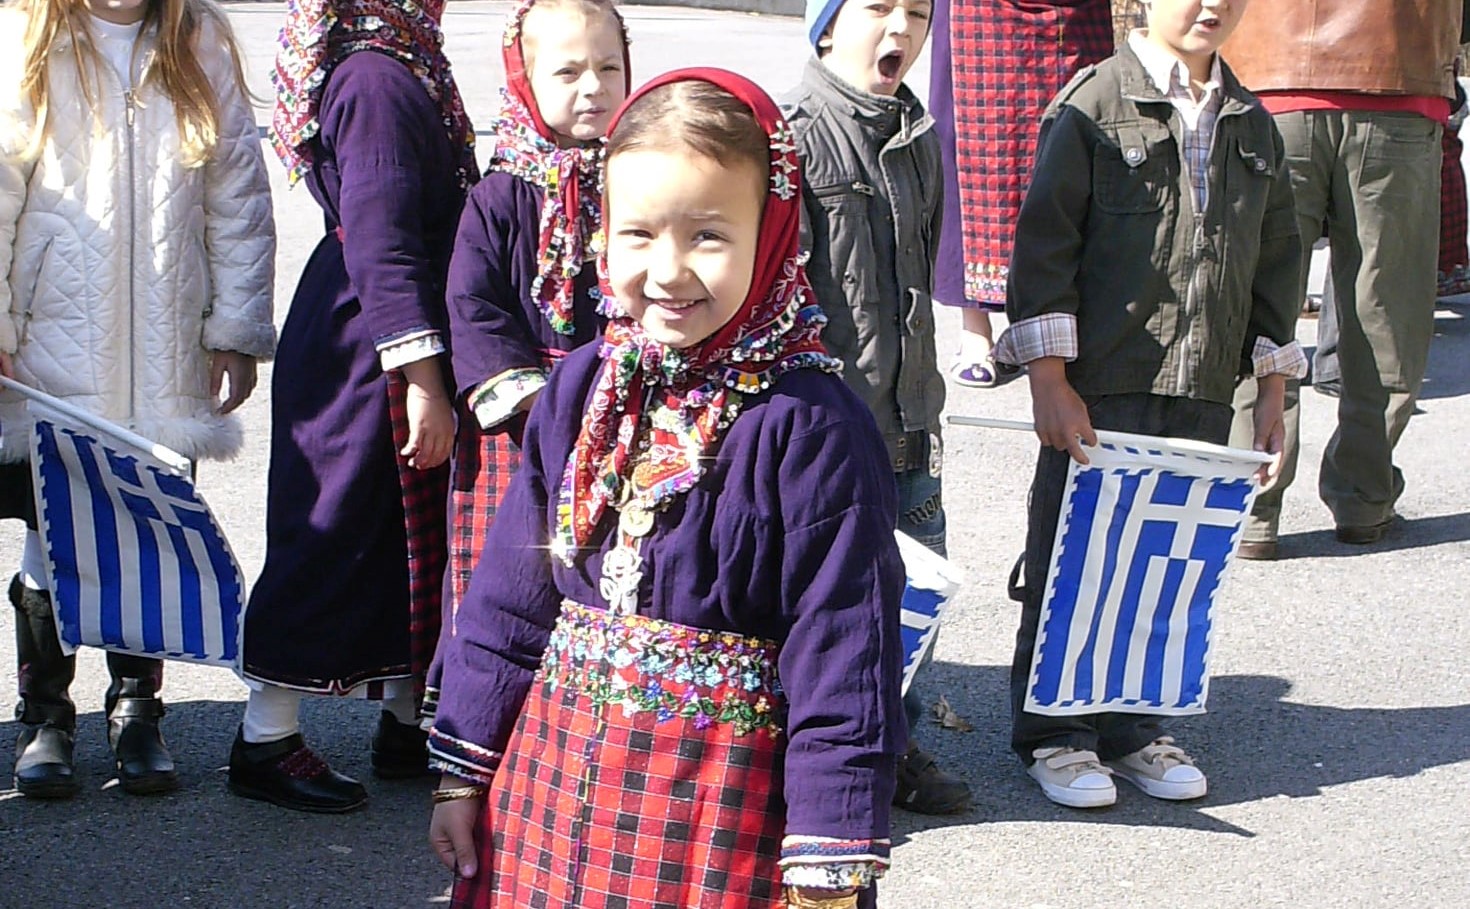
(137, 563)
(1146, 534)
(931, 582)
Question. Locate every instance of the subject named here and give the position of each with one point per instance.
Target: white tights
(273, 713)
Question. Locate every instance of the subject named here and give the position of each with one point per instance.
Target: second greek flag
(1146, 535)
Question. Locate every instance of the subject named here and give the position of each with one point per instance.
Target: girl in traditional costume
(348, 601)
(679, 684)
(519, 295)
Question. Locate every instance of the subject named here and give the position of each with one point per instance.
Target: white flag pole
(170, 458)
(1128, 439)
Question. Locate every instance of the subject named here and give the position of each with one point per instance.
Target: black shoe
(925, 789)
(289, 774)
(1363, 535)
(1331, 388)
(144, 766)
(400, 752)
(43, 763)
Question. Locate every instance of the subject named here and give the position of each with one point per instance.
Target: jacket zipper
(1197, 245)
(130, 100)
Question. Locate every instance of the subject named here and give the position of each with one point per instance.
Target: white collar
(1167, 70)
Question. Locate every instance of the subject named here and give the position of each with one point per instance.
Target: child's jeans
(1111, 735)
(921, 516)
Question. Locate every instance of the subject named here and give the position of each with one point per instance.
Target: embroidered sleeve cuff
(412, 348)
(1053, 334)
(465, 760)
(825, 863)
(1267, 359)
(498, 398)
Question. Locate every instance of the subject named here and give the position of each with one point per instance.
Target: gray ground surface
(1338, 745)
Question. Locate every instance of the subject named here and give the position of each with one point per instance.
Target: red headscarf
(319, 34)
(570, 179)
(695, 392)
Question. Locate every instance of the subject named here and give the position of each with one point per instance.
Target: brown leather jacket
(1394, 47)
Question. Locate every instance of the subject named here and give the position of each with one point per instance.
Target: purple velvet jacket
(494, 325)
(788, 536)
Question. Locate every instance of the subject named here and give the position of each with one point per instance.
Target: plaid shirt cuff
(1268, 359)
(400, 352)
(1052, 334)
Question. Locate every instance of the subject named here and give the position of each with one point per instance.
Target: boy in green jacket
(1156, 263)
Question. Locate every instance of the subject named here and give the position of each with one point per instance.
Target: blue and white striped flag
(931, 582)
(1146, 534)
(136, 561)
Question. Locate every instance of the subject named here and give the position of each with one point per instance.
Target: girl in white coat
(136, 269)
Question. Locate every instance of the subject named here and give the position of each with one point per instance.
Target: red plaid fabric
(1010, 58)
(425, 493)
(606, 801)
(1454, 220)
(484, 462)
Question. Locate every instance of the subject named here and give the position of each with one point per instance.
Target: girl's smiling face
(682, 236)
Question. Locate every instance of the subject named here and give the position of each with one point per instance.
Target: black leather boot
(144, 765)
(289, 774)
(43, 751)
(399, 752)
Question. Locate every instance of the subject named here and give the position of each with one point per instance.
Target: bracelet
(795, 900)
(459, 792)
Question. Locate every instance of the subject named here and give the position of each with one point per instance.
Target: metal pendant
(635, 520)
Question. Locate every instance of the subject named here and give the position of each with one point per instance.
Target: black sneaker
(924, 788)
(289, 774)
(400, 751)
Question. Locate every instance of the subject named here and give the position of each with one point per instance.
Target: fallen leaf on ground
(945, 716)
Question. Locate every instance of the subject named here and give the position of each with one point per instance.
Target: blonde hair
(589, 10)
(175, 66)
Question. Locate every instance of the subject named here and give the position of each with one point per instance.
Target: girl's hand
(7, 366)
(452, 830)
(1060, 414)
(1270, 424)
(430, 416)
(240, 369)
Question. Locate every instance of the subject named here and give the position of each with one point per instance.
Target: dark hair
(696, 115)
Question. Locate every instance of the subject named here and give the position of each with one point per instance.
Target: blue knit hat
(819, 15)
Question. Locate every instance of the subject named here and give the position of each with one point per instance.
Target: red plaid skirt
(424, 495)
(484, 462)
(1009, 59)
(1454, 220)
(645, 773)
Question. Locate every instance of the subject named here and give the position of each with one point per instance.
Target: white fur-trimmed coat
(123, 268)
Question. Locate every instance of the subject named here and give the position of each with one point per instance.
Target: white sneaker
(1162, 769)
(1073, 777)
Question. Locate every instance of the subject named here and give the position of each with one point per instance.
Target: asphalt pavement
(1337, 745)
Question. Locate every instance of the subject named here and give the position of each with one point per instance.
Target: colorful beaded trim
(679, 672)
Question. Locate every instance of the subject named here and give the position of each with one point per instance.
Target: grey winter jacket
(871, 194)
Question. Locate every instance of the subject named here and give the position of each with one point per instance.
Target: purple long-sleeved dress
(787, 537)
(494, 324)
(331, 607)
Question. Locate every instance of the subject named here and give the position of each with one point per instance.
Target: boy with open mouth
(871, 210)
